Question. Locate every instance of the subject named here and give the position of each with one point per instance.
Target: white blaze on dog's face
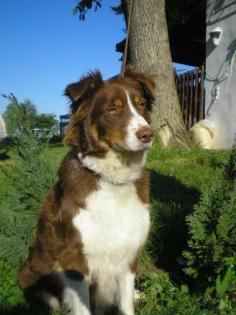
(113, 114)
(139, 132)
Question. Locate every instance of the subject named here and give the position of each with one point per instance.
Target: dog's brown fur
(58, 246)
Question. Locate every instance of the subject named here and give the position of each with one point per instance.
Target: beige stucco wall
(219, 74)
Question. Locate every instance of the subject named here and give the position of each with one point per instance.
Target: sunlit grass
(177, 177)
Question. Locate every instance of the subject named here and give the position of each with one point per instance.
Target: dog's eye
(141, 104)
(116, 106)
(113, 109)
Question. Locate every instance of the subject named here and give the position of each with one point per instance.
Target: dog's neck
(116, 167)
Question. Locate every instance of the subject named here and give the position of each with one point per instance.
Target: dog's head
(111, 114)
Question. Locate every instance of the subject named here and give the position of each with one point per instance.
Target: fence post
(196, 96)
(201, 116)
(190, 89)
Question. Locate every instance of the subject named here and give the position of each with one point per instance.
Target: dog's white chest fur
(113, 227)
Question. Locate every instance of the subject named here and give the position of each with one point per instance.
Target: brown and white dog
(95, 220)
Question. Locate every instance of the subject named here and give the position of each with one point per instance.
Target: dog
(95, 220)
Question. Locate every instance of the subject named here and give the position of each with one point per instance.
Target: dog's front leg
(126, 288)
(76, 297)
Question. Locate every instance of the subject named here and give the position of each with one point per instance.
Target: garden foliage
(209, 259)
(211, 254)
(158, 295)
(23, 116)
(26, 182)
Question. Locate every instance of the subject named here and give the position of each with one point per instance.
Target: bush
(230, 165)
(26, 183)
(10, 294)
(212, 230)
(226, 286)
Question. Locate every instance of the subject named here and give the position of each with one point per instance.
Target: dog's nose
(145, 134)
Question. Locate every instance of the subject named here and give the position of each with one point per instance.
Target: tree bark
(150, 51)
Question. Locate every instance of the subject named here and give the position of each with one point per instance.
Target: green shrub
(212, 231)
(230, 165)
(226, 286)
(10, 294)
(26, 182)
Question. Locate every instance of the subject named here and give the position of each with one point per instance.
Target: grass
(196, 168)
(177, 180)
(55, 153)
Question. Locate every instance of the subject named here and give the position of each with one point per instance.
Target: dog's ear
(146, 81)
(79, 133)
(83, 90)
(76, 130)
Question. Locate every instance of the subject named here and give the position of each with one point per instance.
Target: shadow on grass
(4, 156)
(25, 310)
(172, 202)
(56, 145)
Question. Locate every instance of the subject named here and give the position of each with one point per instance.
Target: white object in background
(216, 34)
(202, 133)
(217, 93)
(3, 131)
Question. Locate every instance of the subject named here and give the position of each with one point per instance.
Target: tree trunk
(150, 51)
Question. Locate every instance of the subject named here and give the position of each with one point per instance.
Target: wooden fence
(190, 88)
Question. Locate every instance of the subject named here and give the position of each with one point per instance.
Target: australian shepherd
(95, 220)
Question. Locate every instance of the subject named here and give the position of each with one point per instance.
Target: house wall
(221, 71)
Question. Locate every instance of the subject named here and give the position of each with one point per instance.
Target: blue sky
(44, 47)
